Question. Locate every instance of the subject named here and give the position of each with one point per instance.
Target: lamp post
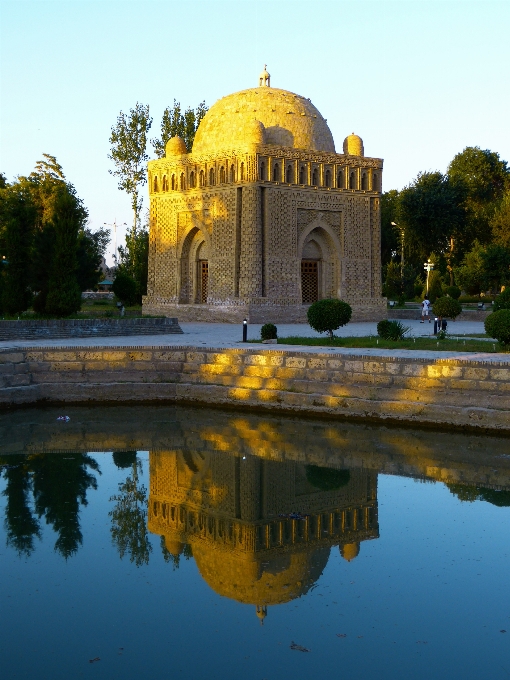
(114, 225)
(428, 266)
(402, 235)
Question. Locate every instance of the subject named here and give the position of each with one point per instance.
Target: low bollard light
(245, 330)
(435, 326)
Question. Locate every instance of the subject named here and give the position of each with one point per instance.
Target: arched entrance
(194, 268)
(320, 267)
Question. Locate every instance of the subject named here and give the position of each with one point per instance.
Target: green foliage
(453, 291)
(64, 294)
(392, 330)
(500, 221)
(502, 301)
(447, 307)
(325, 316)
(470, 274)
(390, 237)
(129, 519)
(431, 210)
(435, 286)
(485, 177)
(496, 266)
(134, 259)
(268, 332)
(469, 494)
(124, 288)
(393, 281)
(90, 251)
(128, 140)
(327, 479)
(176, 124)
(17, 219)
(497, 325)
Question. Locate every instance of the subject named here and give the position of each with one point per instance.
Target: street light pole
(428, 266)
(402, 235)
(114, 225)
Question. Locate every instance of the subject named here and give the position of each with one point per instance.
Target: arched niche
(194, 268)
(320, 263)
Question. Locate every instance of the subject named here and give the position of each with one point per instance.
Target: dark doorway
(203, 280)
(309, 281)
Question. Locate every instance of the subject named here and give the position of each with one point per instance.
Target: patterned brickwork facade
(263, 191)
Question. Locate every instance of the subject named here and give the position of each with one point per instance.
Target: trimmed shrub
(327, 479)
(454, 292)
(268, 332)
(502, 301)
(447, 307)
(392, 330)
(124, 288)
(124, 459)
(325, 316)
(497, 325)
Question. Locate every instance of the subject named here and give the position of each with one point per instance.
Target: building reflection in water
(260, 531)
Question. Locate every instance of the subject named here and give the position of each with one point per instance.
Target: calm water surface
(200, 544)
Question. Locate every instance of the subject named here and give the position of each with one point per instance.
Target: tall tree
(431, 210)
(91, 250)
(176, 124)
(134, 258)
(500, 222)
(17, 221)
(64, 294)
(486, 177)
(128, 141)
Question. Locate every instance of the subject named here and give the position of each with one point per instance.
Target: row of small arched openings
(201, 179)
(315, 179)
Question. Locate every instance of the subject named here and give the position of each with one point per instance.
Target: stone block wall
(35, 329)
(447, 392)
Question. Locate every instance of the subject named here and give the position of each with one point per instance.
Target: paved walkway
(225, 336)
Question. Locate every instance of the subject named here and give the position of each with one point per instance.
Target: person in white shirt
(425, 309)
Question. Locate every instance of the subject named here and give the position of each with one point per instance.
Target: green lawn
(447, 345)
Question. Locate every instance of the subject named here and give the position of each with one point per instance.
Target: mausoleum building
(263, 217)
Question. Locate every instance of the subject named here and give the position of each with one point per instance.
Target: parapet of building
(263, 217)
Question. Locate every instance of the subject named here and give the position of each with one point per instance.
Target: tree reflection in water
(58, 486)
(129, 516)
(21, 526)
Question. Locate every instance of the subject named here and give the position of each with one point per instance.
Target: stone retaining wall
(35, 329)
(465, 315)
(446, 392)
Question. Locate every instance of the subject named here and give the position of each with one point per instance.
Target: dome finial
(261, 613)
(265, 78)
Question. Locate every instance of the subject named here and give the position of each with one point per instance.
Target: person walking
(425, 309)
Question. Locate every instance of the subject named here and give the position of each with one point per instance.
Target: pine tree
(17, 219)
(64, 294)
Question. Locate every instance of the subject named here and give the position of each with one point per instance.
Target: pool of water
(193, 543)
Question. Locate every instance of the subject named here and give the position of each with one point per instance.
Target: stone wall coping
(415, 356)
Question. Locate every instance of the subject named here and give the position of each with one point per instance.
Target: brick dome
(287, 118)
(353, 145)
(175, 147)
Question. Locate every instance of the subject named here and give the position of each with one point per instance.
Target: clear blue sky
(418, 80)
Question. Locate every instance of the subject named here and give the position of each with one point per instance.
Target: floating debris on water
(294, 515)
(64, 419)
(298, 648)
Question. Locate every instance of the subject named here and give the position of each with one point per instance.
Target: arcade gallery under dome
(264, 217)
